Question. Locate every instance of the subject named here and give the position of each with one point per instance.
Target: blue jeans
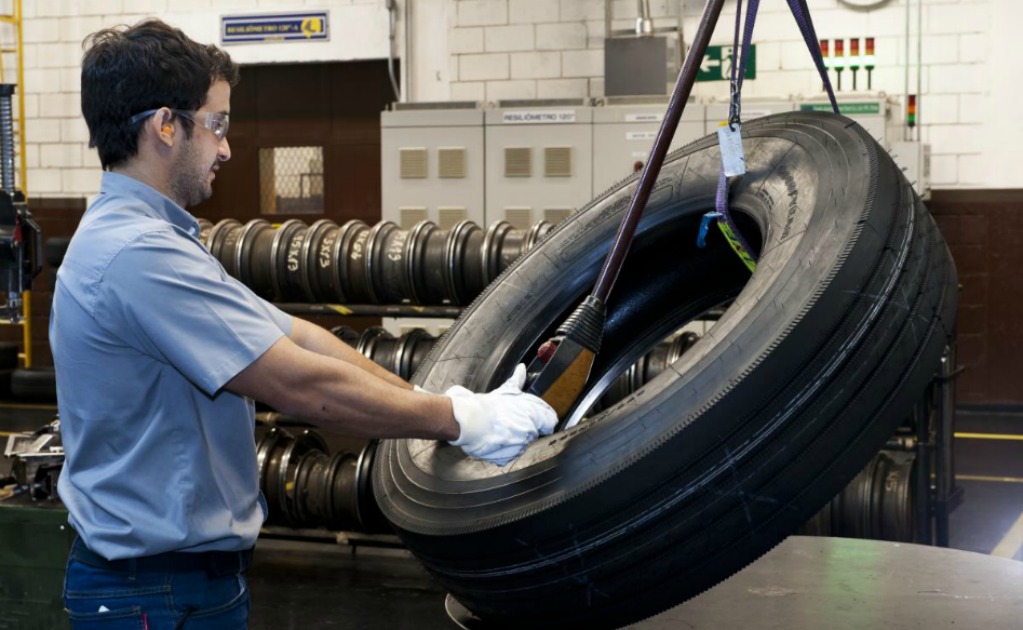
(153, 600)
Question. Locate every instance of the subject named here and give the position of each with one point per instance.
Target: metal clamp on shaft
(562, 365)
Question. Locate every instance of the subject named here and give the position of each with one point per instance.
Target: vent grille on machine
(451, 162)
(412, 163)
(556, 215)
(520, 218)
(410, 215)
(518, 162)
(449, 216)
(557, 161)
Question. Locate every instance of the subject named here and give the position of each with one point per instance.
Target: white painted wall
(497, 49)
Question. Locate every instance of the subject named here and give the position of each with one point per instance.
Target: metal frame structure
(15, 19)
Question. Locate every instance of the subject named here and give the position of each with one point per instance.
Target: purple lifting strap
(735, 111)
(801, 12)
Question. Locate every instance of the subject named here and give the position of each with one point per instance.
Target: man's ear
(164, 126)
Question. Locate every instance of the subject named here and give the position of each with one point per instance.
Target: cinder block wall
(503, 49)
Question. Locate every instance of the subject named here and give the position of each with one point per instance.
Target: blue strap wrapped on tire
(822, 353)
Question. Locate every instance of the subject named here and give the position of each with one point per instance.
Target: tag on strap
(732, 157)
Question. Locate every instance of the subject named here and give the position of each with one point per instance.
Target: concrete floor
(314, 585)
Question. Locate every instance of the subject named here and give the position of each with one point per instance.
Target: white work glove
(498, 425)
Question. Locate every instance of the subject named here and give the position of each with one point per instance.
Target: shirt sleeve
(169, 298)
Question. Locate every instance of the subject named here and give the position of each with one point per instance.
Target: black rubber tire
(56, 247)
(39, 384)
(824, 351)
(9, 354)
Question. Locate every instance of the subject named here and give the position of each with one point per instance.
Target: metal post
(944, 467)
(922, 506)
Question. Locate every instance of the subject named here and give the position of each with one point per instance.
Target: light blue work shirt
(146, 328)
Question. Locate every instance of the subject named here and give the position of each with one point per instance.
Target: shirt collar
(162, 207)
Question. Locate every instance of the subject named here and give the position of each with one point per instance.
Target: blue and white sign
(276, 27)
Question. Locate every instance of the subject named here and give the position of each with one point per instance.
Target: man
(159, 352)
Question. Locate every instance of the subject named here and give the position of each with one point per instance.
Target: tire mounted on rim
(825, 349)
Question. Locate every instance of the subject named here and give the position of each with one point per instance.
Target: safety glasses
(215, 122)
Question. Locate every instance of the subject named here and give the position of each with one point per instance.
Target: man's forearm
(342, 396)
(350, 400)
(315, 339)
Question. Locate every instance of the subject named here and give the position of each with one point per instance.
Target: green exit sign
(717, 64)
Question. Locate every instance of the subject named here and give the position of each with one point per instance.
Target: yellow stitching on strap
(733, 240)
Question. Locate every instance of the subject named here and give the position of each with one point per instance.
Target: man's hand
(497, 426)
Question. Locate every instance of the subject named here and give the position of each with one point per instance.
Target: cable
(392, 10)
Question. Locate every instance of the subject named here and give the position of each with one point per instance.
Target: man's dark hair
(127, 70)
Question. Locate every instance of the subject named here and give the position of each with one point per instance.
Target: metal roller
(243, 250)
(217, 234)
(518, 242)
(205, 227)
(434, 272)
(412, 349)
(537, 234)
(346, 334)
(490, 251)
(259, 268)
(456, 253)
(316, 270)
(280, 449)
(387, 268)
(877, 503)
(307, 487)
(292, 274)
(326, 495)
(352, 266)
(279, 248)
(339, 258)
(513, 245)
(228, 253)
(473, 275)
(416, 264)
(369, 340)
(386, 352)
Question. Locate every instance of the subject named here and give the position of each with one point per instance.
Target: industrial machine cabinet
(35, 538)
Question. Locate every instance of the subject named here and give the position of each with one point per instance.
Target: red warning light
(870, 46)
(854, 47)
(824, 48)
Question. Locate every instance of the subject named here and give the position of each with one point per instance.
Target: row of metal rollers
(355, 263)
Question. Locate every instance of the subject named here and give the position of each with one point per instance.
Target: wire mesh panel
(291, 180)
